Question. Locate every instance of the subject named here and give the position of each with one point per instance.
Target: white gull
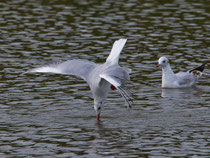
(180, 79)
(100, 77)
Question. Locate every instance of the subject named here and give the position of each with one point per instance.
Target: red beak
(98, 116)
(158, 65)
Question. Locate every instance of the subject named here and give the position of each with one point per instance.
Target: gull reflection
(180, 92)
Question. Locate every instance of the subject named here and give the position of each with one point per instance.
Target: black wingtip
(199, 68)
(125, 94)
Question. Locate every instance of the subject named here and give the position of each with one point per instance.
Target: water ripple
(49, 115)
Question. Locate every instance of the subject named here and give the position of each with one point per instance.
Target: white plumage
(100, 77)
(181, 79)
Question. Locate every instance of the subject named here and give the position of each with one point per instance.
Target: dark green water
(50, 115)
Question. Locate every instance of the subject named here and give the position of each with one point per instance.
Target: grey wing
(79, 68)
(118, 77)
(185, 78)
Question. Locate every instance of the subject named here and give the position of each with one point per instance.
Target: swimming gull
(100, 77)
(180, 79)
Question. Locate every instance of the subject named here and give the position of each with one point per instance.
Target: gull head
(163, 62)
(98, 107)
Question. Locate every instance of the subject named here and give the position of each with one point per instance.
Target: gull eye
(99, 108)
(164, 61)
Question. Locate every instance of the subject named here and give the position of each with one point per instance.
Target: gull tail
(113, 57)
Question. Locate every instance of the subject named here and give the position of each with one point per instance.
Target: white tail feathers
(113, 57)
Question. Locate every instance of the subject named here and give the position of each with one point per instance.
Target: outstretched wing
(118, 77)
(79, 68)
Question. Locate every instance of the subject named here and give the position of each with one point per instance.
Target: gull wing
(114, 55)
(184, 78)
(79, 68)
(199, 68)
(190, 77)
(118, 76)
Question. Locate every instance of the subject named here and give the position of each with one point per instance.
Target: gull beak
(158, 65)
(98, 116)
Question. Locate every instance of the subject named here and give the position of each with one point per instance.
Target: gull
(100, 77)
(180, 79)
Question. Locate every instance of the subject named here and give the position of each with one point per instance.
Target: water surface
(51, 115)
